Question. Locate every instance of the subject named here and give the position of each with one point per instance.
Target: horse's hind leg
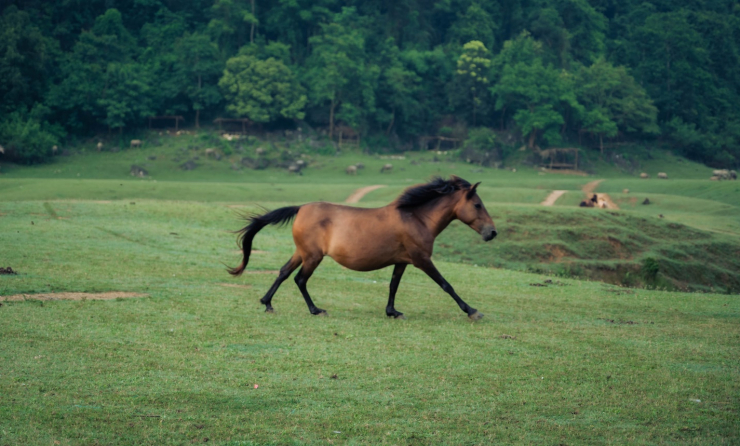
(390, 309)
(285, 272)
(309, 265)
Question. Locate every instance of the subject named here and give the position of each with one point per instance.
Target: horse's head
(471, 211)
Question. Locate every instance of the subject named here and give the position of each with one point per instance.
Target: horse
(401, 233)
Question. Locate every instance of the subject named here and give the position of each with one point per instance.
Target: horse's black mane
(438, 187)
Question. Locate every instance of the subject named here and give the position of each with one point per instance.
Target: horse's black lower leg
(285, 272)
(301, 278)
(390, 309)
(426, 265)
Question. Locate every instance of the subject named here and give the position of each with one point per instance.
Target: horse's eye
(477, 205)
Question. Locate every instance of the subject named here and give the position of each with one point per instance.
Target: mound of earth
(610, 246)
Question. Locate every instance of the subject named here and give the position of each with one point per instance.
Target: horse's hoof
(400, 316)
(476, 316)
(321, 313)
(269, 310)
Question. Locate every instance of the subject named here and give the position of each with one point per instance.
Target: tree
(472, 81)
(231, 19)
(200, 62)
(538, 93)
(24, 55)
(161, 58)
(398, 88)
(125, 97)
(339, 74)
(262, 90)
(475, 24)
(612, 100)
(83, 94)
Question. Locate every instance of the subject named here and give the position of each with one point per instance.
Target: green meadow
(589, 335)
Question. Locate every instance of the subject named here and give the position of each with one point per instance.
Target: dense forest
(551, 72)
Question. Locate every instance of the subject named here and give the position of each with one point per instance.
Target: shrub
(650, 269)
(481, 147)
(27, 136)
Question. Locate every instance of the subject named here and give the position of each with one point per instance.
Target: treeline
(552, 71)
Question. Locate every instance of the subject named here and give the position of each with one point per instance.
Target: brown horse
(398, 234)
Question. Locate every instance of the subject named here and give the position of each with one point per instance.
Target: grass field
(559, 362)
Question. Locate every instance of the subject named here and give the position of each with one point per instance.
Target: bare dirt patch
(556, 253)
(361, 192)
(111, 295)
(235, 285)
(567, 172)
(589, 189)
(553, 197)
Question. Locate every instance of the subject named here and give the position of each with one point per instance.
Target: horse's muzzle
(488, 234)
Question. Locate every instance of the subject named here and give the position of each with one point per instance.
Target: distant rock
(138, 171)
(188, 165)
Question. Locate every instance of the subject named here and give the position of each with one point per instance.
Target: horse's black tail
(256, 222)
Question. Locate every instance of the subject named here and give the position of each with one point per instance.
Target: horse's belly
(365, 252)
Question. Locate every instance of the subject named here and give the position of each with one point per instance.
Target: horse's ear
(471, 192)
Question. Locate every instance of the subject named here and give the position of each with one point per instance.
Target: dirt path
(589, 189)
(361, 192)
(553, 197)
(73, 296)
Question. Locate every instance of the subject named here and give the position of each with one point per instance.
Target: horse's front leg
(390, 309)
(424, 263)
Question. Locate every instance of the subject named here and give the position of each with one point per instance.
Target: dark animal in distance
(399, 234)
(593, 201)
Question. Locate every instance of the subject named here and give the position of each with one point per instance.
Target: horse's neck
(438, 215)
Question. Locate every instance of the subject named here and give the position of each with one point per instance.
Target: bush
(650, 269)
(481, 147)
(27, 136)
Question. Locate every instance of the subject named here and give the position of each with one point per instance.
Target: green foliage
(481, 147)
(537, 93)
(338, 72)
(27, 136)
(199, 58)
(261, 90)
(24, 55)
(613, 101)
(475, 24)
(561, 71)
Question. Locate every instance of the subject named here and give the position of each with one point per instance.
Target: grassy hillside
(197, 360)
(615, 247)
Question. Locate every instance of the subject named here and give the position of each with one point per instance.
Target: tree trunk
(197, 112)
(601, 144)
(532, 138)
(503, 117)
(393, 118)
(331, 118)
